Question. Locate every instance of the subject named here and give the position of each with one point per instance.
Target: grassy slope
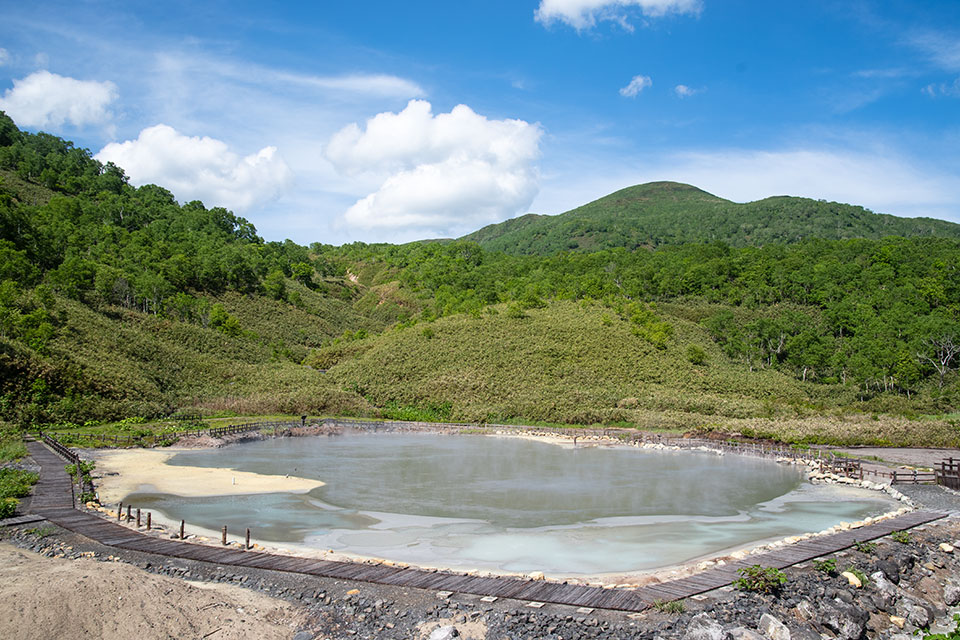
(127, 363)
(660, 213)
(581, 364)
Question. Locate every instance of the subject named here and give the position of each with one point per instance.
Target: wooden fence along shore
(53, 500)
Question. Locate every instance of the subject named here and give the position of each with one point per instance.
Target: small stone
(852, 579)
(703, 627)
(898, 621)
(946, 547)
(951, 593)
(742, 633)
(303, 635)
(353, 592)
(773, 628)
(447, 632)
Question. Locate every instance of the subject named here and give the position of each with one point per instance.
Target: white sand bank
(127, 471)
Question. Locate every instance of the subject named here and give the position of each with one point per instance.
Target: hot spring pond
(512, 504)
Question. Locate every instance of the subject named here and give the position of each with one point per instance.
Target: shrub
(826, 566)
(696, 355)
(760, 579)
(952, 635)
(16, 483)
(903, 537)
(865, 547)
(861, 576)
(8, 507)
(673, 606)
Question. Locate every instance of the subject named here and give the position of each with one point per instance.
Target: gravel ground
(931, 496)
(902, 455)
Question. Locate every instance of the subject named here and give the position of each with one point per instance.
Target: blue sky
(386, 121)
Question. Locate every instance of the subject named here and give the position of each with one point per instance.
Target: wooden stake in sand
(181, 529)
(148, 521)
(223, 536)
(248, 539)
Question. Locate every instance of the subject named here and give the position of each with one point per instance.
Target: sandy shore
(127, 471)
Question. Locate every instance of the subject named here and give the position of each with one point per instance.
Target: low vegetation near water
(118, 302)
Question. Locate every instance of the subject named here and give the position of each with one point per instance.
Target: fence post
(128, 513)
(148, 521)
(138, 517)
(223, 536)
(119, 511)
(248, 539)
(181, 529)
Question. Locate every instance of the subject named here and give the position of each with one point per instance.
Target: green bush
(672, 606)
(16, 483)
(865, 547)
(861, 576)
(951, 635)
(903, 537)
(760, 579)
(696, 355)
(8, 507)
(826, 566)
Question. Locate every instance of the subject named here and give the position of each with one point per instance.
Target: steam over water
(511, 504)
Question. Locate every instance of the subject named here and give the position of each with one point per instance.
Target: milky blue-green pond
(513, 504)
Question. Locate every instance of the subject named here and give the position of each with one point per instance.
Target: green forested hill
(668, 213)
(120, 302)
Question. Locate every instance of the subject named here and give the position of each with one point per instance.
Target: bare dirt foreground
(51, 598)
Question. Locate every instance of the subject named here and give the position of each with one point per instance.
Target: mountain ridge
(663, 213)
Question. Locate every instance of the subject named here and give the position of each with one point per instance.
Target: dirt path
(51, 598)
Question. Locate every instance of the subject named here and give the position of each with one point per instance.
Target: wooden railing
(947, 474)
(64, 452)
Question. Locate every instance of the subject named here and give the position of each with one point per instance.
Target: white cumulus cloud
(45, 99)
(200, 168)
(637, 84)
(441, 173)
(584, 14)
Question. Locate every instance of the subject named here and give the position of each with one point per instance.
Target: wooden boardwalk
(52, 499)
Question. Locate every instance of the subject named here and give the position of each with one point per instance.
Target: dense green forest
(118, 301)
(668, 213)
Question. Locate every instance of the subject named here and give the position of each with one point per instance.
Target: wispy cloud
(943, 89)
(584, 14)
(885, 74)
(684, 91)
(942, 48)
(637, 84)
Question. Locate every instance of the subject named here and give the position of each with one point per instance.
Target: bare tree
(941, 353)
